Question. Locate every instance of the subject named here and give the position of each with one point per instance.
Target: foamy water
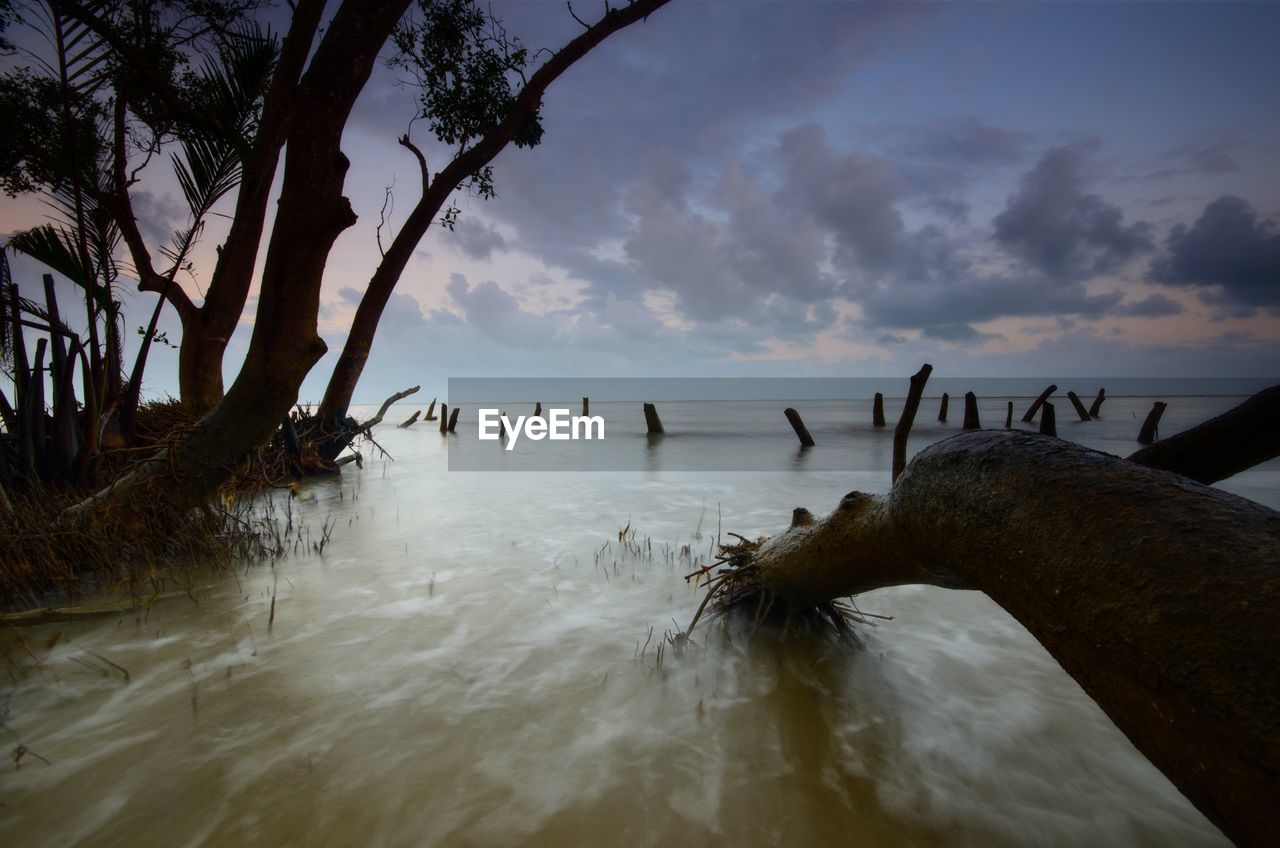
(464, 664)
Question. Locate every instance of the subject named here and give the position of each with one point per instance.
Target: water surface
(464, 664)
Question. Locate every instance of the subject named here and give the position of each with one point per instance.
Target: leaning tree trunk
(1159, 595)
(310, 214)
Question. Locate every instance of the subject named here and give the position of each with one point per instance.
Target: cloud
(476, 239)
(158, 216)
(1155, 306)
(852, 194)
(964, 140)
(1057, 228)
(1229, 251)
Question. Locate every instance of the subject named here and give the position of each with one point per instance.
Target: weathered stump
(971, 412)
(586, 406)
(802, 432)
(877, 411)
(431, 411)
(942, 408)
(453, 418)
(903, 430)
(1008, 417)
(444, 418)
(1035, 407)
(1151, 426)
(1080, 410)
(1048, 424)
(1096, 407)
(652, 423)
(537, 409)
(412, 418)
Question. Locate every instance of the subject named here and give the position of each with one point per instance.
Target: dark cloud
(851, 194)
(159, 215)
(1155, 306)
(1062, 231)
(1212, 159)
(944, 311)
(1230, 251)
(955, 142)
(953, 209)
(475, 239)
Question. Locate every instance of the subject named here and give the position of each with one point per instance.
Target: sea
(458, 652)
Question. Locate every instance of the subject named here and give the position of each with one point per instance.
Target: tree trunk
(439, 187)
(1160, 596)
(1222, 446)
(310, 214)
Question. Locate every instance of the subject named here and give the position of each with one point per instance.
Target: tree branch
(1160, 596)
(1220, 447)
(148, 279)
(404, 142)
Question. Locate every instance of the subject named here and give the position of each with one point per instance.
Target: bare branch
(574, 15)
(422, 160)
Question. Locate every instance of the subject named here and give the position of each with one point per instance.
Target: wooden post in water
(453, 418)
(942, 409)
(412, 418)
(1035, 407)
(1080, 410)
(802, 432)
(502, 427)
(537, 409)
(903, 430)
(444, 418)
(971, 412)
(586, 406)
(652, 423)
(1096, 406)
(431, 411)
(877, 411)
(1151, 426)
(1048, 424)
(1008, 417)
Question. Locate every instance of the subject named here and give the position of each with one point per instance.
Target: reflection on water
(465, 664)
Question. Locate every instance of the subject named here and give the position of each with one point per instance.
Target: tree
(303, 113)
(1159, 595)
(476, 97)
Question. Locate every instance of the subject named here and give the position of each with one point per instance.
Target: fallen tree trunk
(1222, 446)
(1160, 596)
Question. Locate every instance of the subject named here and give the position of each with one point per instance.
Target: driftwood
(1222, 446)
(971, 412)
(802, 432)
(1030, 414)
(877, 411)
(386, 404)
(1151, 426)
(411, 419)
(1079, 407)
(942, 408)
(903, 430)
(1095, 408)
(1160, 596)
(431, 411)
(652, 423)
(1048, 421)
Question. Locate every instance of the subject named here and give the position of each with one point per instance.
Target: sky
(832, 189)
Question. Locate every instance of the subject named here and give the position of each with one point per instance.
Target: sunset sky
(836, 188)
